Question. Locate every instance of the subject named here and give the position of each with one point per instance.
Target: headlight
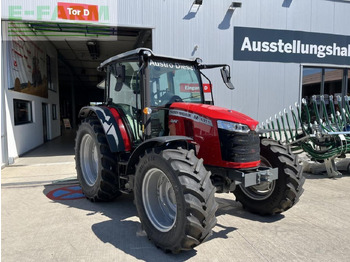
(232, 126)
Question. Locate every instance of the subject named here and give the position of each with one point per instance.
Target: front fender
(109, 124)
(152, 143)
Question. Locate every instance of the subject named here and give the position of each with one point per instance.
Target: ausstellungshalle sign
(270, 45)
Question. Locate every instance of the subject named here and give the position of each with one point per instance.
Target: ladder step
(123, 163)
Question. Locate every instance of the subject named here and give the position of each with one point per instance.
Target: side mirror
(120, 75)
(225, 74)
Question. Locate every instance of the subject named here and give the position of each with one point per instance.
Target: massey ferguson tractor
(157, 137)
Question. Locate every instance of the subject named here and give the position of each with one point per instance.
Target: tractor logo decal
(108, 123)
(192, 116)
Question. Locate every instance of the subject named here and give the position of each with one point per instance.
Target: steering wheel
(169, 98)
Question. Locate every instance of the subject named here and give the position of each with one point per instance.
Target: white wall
(4, 158)
(22, 138)
(262, 88)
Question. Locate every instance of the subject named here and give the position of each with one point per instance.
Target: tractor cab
(142, 86)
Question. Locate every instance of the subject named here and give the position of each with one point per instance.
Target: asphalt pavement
(45, 218)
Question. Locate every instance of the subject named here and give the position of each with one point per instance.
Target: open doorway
(80, 49)
(52, 73)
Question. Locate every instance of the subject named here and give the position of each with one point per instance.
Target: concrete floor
(35, 228)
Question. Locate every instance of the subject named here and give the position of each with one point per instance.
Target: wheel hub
(89, 159)
(159, 200)
(263, 190)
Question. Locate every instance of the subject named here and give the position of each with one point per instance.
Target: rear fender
(109, 124)
(163, 141)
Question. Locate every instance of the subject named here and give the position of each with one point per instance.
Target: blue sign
(270, 45)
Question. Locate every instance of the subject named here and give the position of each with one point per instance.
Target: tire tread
(108, 187)
(200, 204)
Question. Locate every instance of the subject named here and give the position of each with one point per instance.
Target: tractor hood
(216, 113)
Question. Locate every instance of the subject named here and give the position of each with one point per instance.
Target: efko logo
(256, 44)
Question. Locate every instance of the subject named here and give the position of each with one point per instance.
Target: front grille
(239, 147)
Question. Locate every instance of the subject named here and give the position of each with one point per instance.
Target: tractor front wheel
(174, 198)
(95, 164)
(269, 198)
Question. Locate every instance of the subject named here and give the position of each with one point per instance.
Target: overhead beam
(142, 38)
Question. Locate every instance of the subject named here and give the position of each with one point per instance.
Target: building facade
(279, 52)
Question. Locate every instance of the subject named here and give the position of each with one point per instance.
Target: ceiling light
(94, 49)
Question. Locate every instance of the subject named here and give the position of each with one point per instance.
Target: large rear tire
(175, 199)
(95, 164)
(274, 197)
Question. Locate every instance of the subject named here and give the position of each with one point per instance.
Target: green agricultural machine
(320, 127)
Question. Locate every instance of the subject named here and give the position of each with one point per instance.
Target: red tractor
(156, 137)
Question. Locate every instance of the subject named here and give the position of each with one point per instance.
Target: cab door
(124, 95)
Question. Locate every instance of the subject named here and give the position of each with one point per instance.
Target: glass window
(54, 112)
(127, 97)
(324, 81)
(50, 85)
(312, 80)
(127, 94)
(347, 81)
(22, 111)
(171, 82)
(333, 81)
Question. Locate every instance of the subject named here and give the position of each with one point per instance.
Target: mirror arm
(202, 66)
(229, 72)
(211, 89)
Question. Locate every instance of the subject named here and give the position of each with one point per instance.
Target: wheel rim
(89, 159)
(159, 200)
(263, 190)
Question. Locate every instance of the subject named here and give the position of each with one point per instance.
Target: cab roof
(137, 52)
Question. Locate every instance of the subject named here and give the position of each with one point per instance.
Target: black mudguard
(109, 125)
(152, 143)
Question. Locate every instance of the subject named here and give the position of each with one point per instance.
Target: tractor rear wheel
(269, 198)
(95, 164)
(175, 199)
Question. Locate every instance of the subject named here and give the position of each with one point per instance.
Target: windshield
(174, 82)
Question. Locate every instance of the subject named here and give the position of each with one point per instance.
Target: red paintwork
(206, 135)
(217, 113)
(122, 129)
